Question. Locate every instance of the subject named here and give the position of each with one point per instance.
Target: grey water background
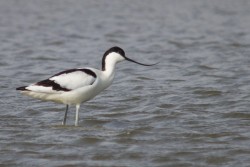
(192, 109)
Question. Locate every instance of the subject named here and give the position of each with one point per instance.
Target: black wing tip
(23, 88)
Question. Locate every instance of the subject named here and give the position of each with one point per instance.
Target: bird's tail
(23, 88)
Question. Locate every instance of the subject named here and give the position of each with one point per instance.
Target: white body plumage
(83, 87)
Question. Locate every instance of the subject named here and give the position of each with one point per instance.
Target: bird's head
(115, 55)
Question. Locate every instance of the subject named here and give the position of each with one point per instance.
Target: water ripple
(191, 109)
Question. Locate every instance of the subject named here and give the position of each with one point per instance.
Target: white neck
(109, 63)
(109, 68)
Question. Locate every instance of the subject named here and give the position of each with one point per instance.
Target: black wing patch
(87, 71)
(50, 83)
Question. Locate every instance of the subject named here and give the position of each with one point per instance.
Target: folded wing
(63, 82)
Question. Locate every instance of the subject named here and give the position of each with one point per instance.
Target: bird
(76, 86)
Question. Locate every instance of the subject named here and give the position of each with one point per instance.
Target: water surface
(192, 109)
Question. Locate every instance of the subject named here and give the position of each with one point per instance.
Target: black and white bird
(75, 86)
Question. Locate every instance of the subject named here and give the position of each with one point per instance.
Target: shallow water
(192, 109)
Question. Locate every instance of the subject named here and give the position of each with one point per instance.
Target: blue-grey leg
(65, 115)
(77, 114)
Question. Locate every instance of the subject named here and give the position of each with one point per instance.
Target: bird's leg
(77, 114)
(65, 116)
